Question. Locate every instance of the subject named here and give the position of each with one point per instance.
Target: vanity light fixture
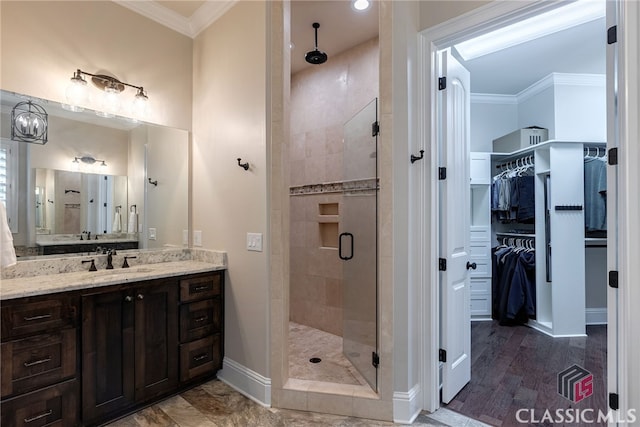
(110, 102)
(29, 123)
(88, 160)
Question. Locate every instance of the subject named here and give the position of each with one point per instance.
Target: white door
(455, 209)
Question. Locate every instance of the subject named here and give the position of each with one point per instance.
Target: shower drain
(315, 360)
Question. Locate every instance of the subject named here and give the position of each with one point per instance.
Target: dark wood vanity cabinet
(83, 358)
(201, 326)
(129, 347)
(39, 361)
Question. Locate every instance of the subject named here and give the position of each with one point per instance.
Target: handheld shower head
(316, 56)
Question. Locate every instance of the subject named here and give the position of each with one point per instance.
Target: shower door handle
(345, 258)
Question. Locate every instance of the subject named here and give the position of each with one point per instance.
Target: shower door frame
(360, 334)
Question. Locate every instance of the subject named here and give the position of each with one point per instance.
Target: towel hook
(414, 158)
(245, 165)
(153, 182)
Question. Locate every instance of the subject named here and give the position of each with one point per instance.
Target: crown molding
(493, 98)
(569, 79)
(190, 27)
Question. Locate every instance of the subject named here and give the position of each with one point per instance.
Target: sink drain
(315, 360)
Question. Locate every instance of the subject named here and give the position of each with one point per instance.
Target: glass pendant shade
(109, 103)
(140, 104)
(77, 94)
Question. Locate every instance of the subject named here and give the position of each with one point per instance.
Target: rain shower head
(316, 56)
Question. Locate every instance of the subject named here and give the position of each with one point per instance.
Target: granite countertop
(62, 282)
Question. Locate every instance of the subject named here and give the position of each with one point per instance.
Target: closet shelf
(545, 144)
(526, 235)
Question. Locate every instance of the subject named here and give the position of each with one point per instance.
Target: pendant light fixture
(29, 123)
(316, 56)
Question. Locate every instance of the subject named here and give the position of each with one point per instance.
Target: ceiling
(580, 49)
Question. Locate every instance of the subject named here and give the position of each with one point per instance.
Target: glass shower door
(358, 243)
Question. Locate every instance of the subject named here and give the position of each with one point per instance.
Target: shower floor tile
(306, 343)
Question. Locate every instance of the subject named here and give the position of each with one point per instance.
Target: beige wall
(44, 42)
(230, 122)
(323, 99)
(434, 12)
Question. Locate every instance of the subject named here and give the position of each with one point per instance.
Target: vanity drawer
(52, 406)
(38, 361)
(201, 287)
(26, 316)
(200, 357)
(199, 319)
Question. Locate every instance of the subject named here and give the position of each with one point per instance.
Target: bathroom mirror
(130, 156)
(68, 202)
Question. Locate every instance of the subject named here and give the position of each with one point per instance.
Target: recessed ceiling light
(574, 14)
(361, 4)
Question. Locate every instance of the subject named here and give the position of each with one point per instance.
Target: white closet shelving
(559, 234)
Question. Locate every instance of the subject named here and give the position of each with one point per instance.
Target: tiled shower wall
(323, 98)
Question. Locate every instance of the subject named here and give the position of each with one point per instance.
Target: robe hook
(245, 165)
(416, 158)
(153, 182)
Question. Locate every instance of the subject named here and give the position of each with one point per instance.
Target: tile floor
(305, 343)
(216, 404)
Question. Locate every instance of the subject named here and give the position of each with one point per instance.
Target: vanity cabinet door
(108, 335)
(130, 348)
(156, 340)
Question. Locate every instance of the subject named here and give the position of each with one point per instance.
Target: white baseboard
(596, 316)
(245, 381)
(406, 405)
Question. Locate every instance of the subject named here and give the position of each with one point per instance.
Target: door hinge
(612, 155)
(442, 264)
(612, 34)
(375, 129)
(104, 204)
(613, 279)
(614, 401)
(442, 83)
(442, 355)
(375, 359)
(442, 173)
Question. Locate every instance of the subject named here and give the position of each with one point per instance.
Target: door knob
(471, 265)
(128, 298)
(140, 296)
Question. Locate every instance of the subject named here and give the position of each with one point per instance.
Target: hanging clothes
(513, 194)
(513, 284)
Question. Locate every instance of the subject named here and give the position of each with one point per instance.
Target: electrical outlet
(185, 237)
(254, 242)
(197, 238)
(152, 234)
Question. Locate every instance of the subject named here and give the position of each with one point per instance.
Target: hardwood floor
(516, 367)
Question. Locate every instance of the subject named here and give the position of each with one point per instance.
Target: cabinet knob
(140, 296)
(128, 298)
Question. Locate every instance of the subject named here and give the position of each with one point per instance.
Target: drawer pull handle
(37, 417)
(200, 319)
(140, 296)
(42, 316)
(128, 298)
(200, 357)
(37, 362)
(201, 288)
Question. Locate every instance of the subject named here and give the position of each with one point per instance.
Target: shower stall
(334, 268)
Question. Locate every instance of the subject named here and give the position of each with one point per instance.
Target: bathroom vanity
(83, 348)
